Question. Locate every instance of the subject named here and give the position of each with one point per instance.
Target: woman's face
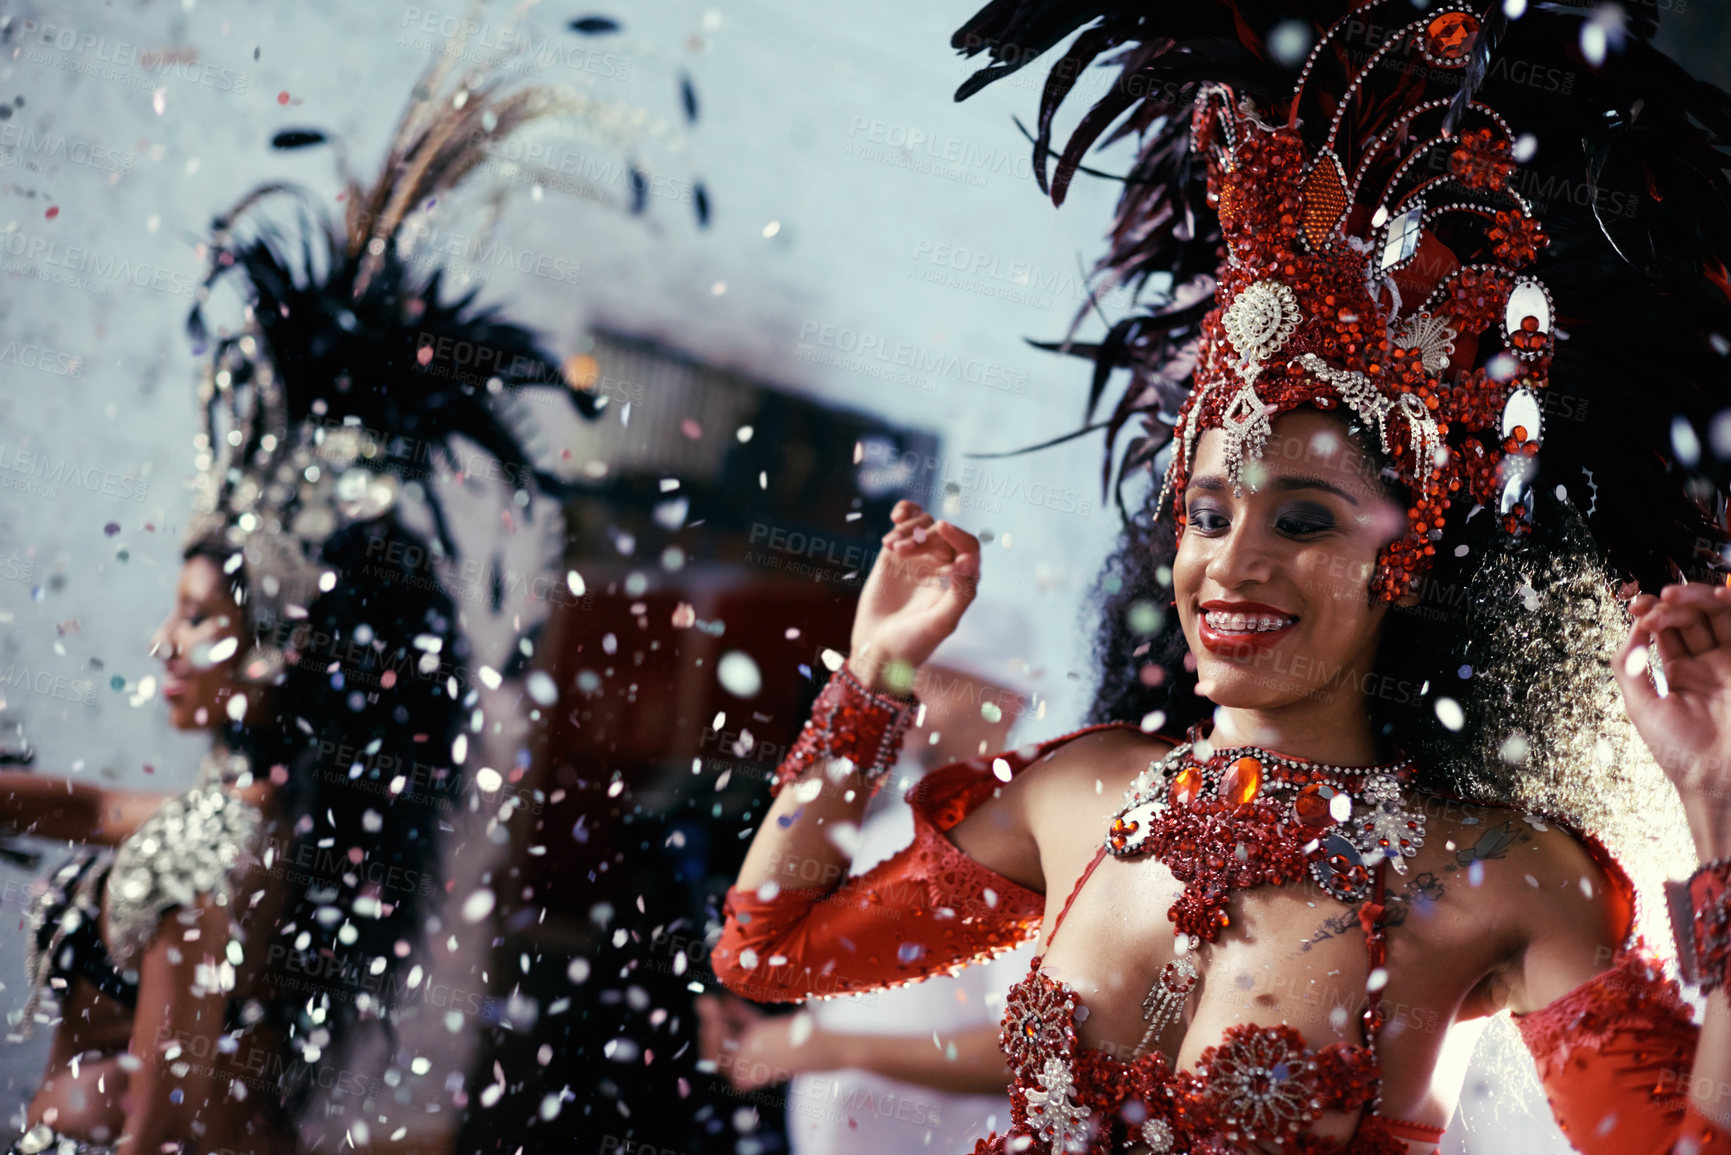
(200, 646)
(1273, 586)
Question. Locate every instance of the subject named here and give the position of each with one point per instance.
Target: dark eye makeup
(1298, 519)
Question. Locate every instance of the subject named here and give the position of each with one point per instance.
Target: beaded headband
(1339, 288)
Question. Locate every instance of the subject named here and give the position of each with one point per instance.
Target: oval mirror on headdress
(1523, 418)
(1522, 422)
(1527, 319)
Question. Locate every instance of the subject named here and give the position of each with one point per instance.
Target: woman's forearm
(62, 809)
(797, 843)
(968, 1062)
(57, 808)
(1710, 1075)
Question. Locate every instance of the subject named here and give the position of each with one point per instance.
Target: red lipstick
(1241, 645)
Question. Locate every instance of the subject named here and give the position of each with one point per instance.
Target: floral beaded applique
(1260, 1084)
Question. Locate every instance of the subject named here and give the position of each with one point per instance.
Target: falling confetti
(594, 25)
(541, 688)
(738, 674)
(478, 905)
(290, 138)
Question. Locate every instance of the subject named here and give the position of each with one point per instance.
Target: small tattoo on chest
(1423, 890)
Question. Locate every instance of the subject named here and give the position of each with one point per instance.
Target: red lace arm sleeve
(929, 909)
(1614, 1055)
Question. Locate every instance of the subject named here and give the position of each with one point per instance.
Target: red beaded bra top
(1221, 821)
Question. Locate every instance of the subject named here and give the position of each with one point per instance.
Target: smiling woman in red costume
(1379, 750)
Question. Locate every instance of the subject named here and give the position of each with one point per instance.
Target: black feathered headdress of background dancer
(330, 413)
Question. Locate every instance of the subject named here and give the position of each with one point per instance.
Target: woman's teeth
(1225, 623)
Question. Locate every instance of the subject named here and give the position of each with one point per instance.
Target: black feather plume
(1627, 174)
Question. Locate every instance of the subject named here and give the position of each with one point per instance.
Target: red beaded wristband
(849, 721)
(1701, 920)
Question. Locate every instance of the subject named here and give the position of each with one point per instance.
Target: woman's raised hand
(922, 580)
(1688, 729)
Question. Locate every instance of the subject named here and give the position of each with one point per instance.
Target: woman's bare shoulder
(1533, 868)
(1112, 755)
(1083, 781)
(1055, 801)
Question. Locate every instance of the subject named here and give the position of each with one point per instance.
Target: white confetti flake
(846, 837)
(738, 674)
(541, 688)
(478, 905)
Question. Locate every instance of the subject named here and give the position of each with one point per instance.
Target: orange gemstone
(1187, 785)
(1241, 781)
(1325, 202)
(1450, 35)
(1313, 808)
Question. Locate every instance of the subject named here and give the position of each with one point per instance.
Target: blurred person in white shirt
(915, 1067)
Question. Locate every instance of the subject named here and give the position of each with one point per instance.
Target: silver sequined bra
(187, 849)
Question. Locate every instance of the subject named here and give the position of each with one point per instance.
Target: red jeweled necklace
(1229, 819)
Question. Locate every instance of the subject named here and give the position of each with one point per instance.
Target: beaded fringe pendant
(1167, 997)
